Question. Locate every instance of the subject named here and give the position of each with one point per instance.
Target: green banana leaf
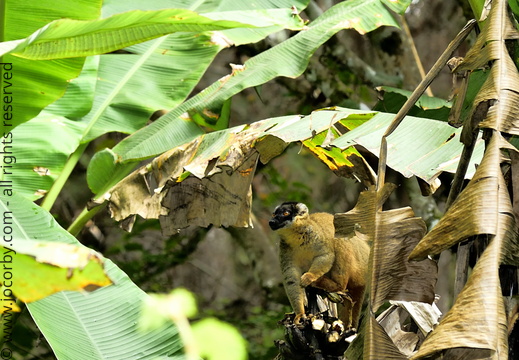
(119, 92)
(66, 38)
(289, 58)
(40, 160)
(98, 325)
(419, 147)
(36, 84)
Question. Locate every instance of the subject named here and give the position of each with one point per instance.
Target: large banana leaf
(41, 81)
(289, 58)
(214, 170)
(150, 192)
(98, 325)
(128, 88)
(66, 38)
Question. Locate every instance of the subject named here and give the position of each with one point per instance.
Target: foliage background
(234, 272)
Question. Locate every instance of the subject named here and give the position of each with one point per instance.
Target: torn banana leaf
(418, 147)
(207, 181)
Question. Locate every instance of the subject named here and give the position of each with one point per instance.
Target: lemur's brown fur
(310, 254)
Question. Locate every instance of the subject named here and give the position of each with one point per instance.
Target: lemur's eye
(286, 213)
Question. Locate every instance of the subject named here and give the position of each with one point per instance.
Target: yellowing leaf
(34, 270)
(347, 163)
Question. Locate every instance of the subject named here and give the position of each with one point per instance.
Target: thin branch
(412, 45)
(420, 89)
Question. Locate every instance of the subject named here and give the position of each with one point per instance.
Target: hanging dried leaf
(501, 89)
(362, 217)
(396, 277)
(478, 319)
(223, 199)
(222, 165)
(472, 213)
(394, 234)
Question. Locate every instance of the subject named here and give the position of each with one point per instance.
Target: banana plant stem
(58, 185)
(83, 218)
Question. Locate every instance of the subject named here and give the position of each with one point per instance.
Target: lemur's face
(285, 214)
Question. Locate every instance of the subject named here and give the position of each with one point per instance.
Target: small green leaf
(159, 309)
(217, 340)
(426, 106)
(106, 160)
(107, 171)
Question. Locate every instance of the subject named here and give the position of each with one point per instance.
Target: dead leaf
(394, 234)
(378, 345)
(472, 214)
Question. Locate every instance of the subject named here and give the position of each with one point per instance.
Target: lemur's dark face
(285, 214)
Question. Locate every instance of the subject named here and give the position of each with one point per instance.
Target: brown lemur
(311, 255)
